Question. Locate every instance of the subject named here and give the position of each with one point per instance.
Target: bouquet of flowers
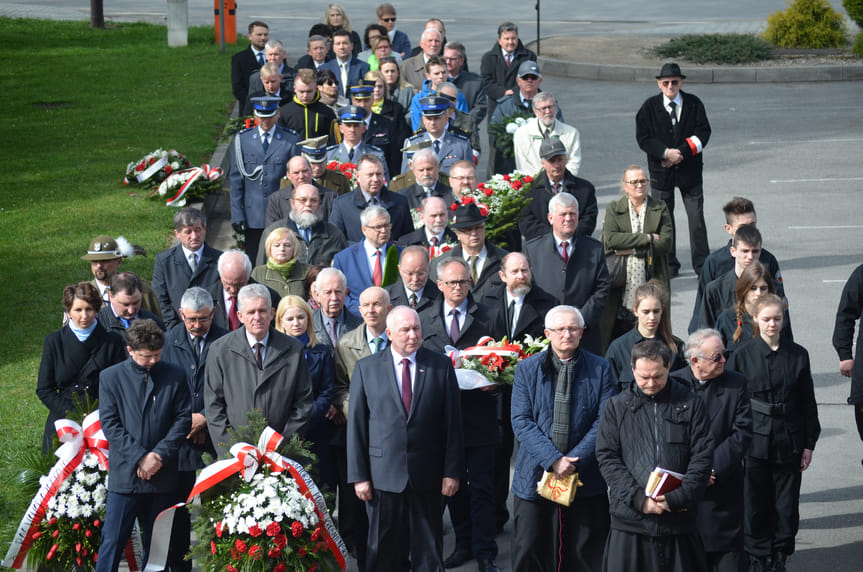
(349, 170)
(435, 251)
(62, 529)
(500, 199)
(492, 362)
(194, 183)
(501, 133)
(235, 125)
(155, 167)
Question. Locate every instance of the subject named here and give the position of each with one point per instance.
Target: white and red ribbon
(194, 175)
(469, 379)
(246, 460)
(75, 441)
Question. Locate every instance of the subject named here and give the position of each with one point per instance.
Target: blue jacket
(141, 413)
(533, 413)
(417, 110)
(319, 358)
(352, 261)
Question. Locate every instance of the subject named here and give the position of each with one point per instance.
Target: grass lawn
(80, 105)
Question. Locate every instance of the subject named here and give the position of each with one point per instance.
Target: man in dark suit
(556, 178)
(434, 232)
(245, 62)
(719, 517)
(348, 69)
(187, 345)
(518, 309)
(468, 83)
(259, 159)
(144, 441)
(299, 172)
(571, 267)
(672, 128)
(276, 79)
(414, 288)
(332, 319)
(256, 367)
(124, 305)
(190, 263)
(365, 263)
(483, 257)
(235, 271)
(371, 190)
(405, 449)
(319, 240)
(457, 320)
(500, 64)
(426, 169)
(317, 53)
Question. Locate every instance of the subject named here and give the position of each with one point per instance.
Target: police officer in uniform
(352, 124)
(448, 145)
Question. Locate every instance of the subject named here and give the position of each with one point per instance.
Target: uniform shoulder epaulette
(332, 147)
(417, 133)
(288, 129)
(374, 148)
(457, 132)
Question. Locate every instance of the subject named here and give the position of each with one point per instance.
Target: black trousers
(181, 532)
(472, 507)
(549, 536)
(727, 561)
(253, 239)
(503, 458)
(353, 522)
(772, 493)
(405, 526)
(858, 417)
(693, 202)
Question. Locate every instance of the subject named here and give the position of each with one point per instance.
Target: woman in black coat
(294, 318)
(74, 356)
(785, 428)
(652, 322)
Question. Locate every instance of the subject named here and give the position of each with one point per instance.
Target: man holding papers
(655, 425)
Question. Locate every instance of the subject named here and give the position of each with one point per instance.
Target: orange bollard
(229, 7)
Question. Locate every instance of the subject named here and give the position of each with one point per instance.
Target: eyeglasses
(530, 77)
(637, 182)
(667, 82)
(720, 357)
(465, 178)
(571, 330)
(455, 283)
(306, 201)
(391, 19)
(379, 227)
(546, 109)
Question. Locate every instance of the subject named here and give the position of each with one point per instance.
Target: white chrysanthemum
(511, 128)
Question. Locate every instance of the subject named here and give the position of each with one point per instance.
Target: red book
(662, 481)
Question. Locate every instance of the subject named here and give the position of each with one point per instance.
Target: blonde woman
(282, 272)
(336, 18)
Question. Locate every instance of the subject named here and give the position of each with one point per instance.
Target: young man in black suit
(247, 61)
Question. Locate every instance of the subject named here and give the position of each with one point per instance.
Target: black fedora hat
(467, 215)
(670, 70)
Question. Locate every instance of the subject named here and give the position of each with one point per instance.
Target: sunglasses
(391, 19)
(718, 357)
(667, 82)
(328, 82)
(530, 77)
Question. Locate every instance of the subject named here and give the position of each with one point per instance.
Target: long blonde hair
(346, 23)
(293, 301)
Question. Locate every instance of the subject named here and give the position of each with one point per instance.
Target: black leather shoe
(487, 566)
(457, 558)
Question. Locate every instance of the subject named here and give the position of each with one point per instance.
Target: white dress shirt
(397, 365)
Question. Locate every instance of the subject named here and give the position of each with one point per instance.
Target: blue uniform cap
(434, 105)
(265, 106)
(352, 114)
(363, 90)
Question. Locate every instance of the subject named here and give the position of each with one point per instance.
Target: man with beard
(299, 173)
(529, 137)
(435, 231)
(319, 240)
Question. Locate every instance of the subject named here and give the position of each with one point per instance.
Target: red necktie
(508, 59)
(564, 246)
(377, 275)
(407, 390)
(233, 319)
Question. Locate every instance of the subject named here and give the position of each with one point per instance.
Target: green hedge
(716, 48)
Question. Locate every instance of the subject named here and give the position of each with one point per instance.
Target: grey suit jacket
(172, 276)
(351, 348)
(249, 195)
(413, 71)
(349, 322)
(394, 449)
(282, 390)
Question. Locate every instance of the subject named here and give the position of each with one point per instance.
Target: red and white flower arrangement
(349, 170)
(155, 167)
(500, 199)
(194, 183)
(492, 362)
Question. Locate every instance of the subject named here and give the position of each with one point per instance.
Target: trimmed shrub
(855, 11)
(806, 24)
(716, 48)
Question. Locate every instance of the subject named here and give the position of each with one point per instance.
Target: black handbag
(616, 269)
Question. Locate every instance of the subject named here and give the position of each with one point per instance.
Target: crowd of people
(335, 319)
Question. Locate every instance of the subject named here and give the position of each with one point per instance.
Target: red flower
(76, 526)
(78, 561)
(95, 557)
(527, 179)
(140, 167)
(483, 211)
(255, 531)
(274, 552)
(234, 554)
(453, 207)
(467, 200)
(506, 177)
(35, 535)
(168, 169)
(281, 541)
(493, 362)
(445, 248)
(296, 528)
(273, 529)
(212, 547)
(88, 533)
(241, 546)
(56, 533)
(219, 528)
(230, 568)
(516, 185)
(53, 521)
(95, 522)
(280, 568)
(488, 192)
(480, 186)
(302, 552)
(77, 547)
(316, 534)
(152, 160)
(332, 165)
(255, 552)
